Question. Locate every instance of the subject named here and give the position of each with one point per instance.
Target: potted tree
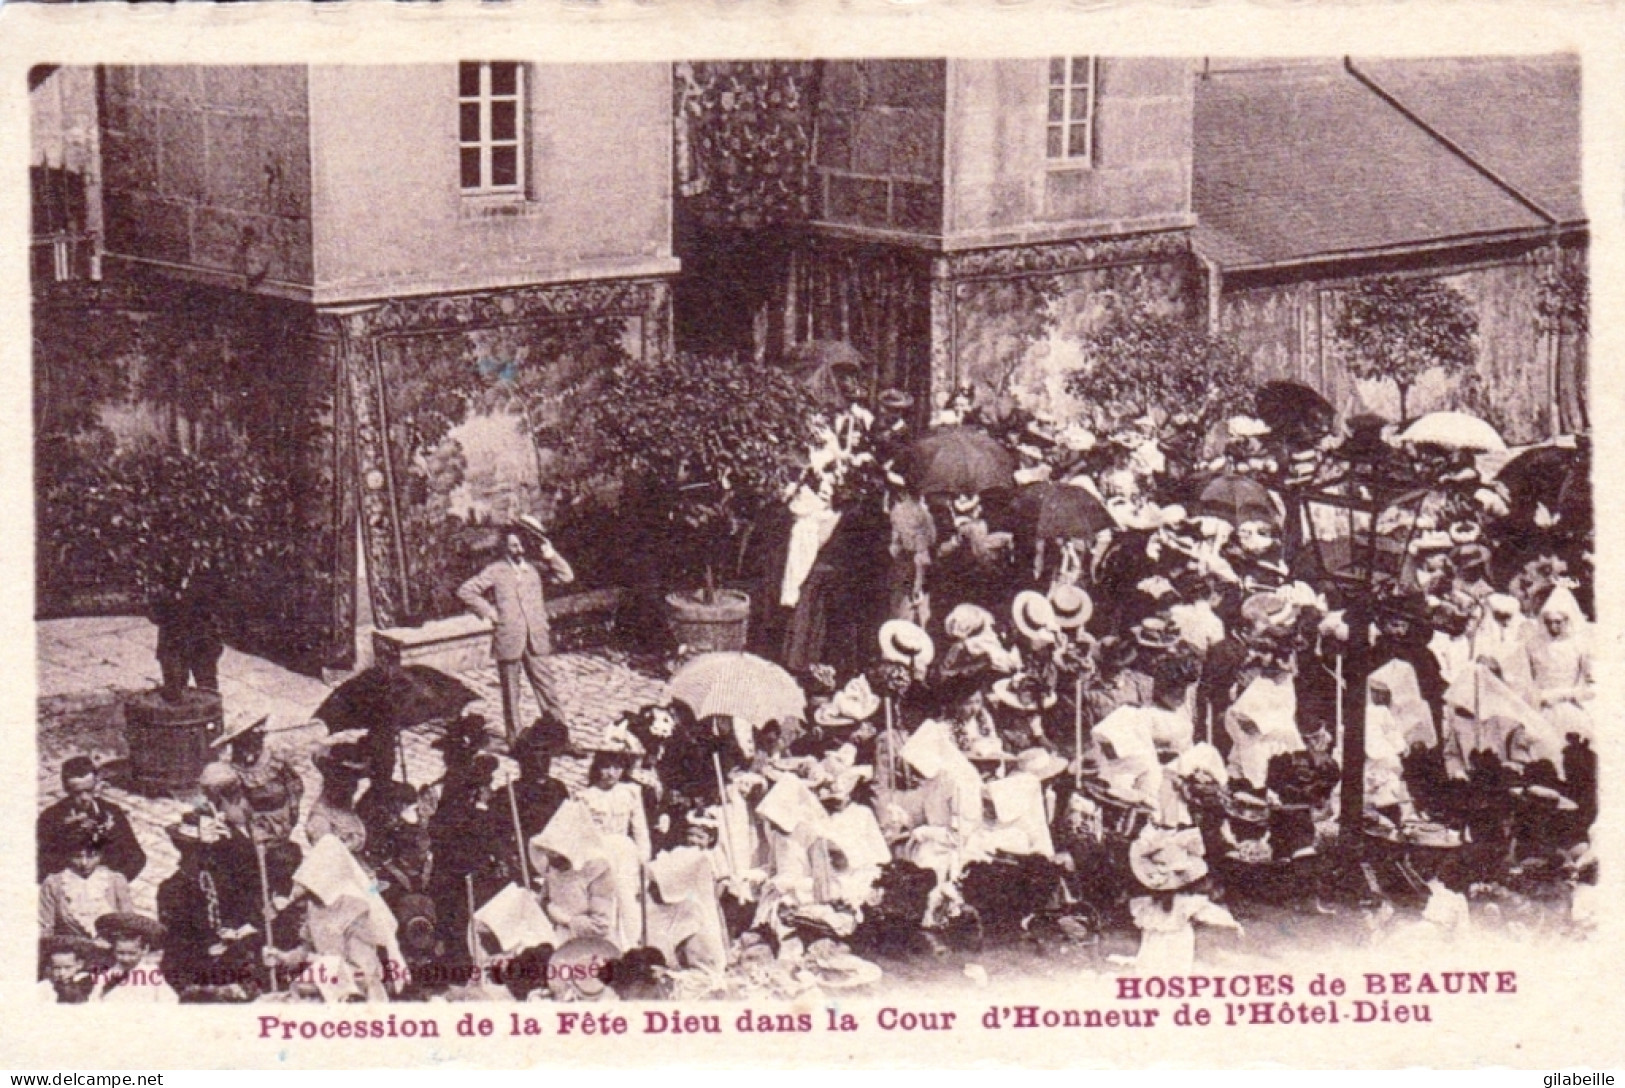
(185, 533)
(700, 443)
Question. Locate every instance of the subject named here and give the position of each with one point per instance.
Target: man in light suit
(509, 594)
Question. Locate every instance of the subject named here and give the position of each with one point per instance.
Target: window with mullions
(1071, 136)
(491, 126)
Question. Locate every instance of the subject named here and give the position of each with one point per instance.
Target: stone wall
(208, 168)
(880, 144)
(1001, 186)
(1529, 383)
(392, 219)
(463, 419)
(1008, 322)
(145, 360)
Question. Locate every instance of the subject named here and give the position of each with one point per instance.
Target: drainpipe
(1215, 292)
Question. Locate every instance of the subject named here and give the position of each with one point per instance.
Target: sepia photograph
(806, 532)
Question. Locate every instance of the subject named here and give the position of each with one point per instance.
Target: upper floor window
(1071, 135)
(491, 126)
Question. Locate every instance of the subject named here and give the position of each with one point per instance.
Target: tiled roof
(1308, 162)
(1519, 116)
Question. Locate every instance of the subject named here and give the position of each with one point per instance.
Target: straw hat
(1040, 763)
(1433, 540)
(1071, 605)
(966, 621)
(532, 525)
(895, 400)
(1266, 609)
(854, 703)
(1166, 860)
(240, 728)
(1155, 633)
(1016, 692)
(1034, 616)
(907, 643)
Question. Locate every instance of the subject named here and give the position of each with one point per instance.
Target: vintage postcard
(854, 535)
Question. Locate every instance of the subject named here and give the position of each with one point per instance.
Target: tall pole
(518, 835)
(1356, 673)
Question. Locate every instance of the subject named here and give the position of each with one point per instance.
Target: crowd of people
(1126, 723)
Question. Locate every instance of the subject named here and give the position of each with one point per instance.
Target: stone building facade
(385, 280)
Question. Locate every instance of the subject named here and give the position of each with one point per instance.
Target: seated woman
(1262, 724)
(1559, 652)
(1125, 756)
(577, 879)
(1018, 813)
(346, 924)
(947, 806)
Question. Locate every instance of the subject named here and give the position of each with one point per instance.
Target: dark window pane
(505, 78)
(1080, 70)
(468, 125)
(468, 79)
(504, 166)
(1057, 70)
(1055, 141)
(1057, 105)
(1078, 141)
(1080, 104)
(504, 120)
(471, 168)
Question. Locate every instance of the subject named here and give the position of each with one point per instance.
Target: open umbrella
(818, 364)
(1558, 476)
(1292, 406)
(1060, 511)
(738, 685)
(959, 461)
(1455, 431)
(1235, 499)
(385, 699)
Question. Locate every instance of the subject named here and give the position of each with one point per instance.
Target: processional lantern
(1361, 505)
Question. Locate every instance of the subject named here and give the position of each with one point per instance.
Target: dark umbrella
(1236, 499)
(959, 461)
(1544, 472)
(1292, 406)
(818, 364)
(1060, 511)
(385, 699)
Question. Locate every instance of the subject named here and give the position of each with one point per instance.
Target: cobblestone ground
(88, 666)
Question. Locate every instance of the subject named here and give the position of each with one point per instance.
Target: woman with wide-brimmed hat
(342, 766)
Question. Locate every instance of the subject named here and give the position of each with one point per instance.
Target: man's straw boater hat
(240, 728)
(907, 643)
(1166, 860)
(531, 524)
(854, 703)
(1034, 616)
